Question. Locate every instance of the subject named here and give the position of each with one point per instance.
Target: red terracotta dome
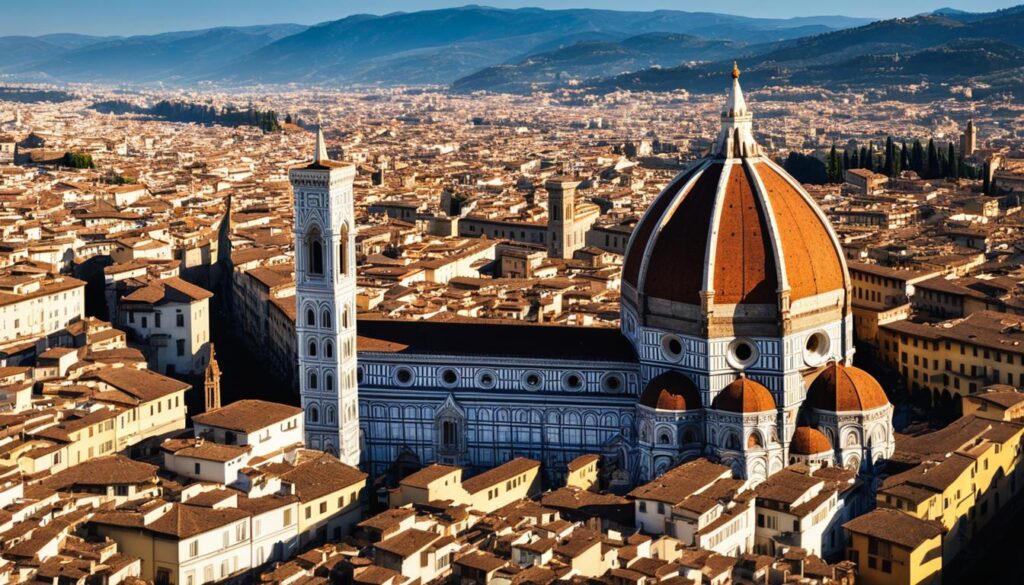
(809, 441)
(842, 388)
(734, 224)
(671, 391)
(744, 395)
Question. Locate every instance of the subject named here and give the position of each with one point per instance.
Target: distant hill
(164, 57)
(439, 46)
(943, 49)
(587, 59)
(425, 47)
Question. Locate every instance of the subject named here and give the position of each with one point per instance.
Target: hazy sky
(126, 17)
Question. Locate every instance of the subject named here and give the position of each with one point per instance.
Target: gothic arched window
(314, 414)
(328, 349)
(344, 318)
(310, 318)
(312, 380)
(314, 253)
(449, 434)
(329, 383)
(325, 319)
(312, 348)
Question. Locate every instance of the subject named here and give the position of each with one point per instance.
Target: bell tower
(563, 237)
(325, 291)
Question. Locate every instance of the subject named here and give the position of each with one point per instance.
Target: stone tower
(325, 294)
(211, 383)
(969, 139)
(563, 239)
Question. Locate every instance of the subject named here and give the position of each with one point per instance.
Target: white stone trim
(769, 212)
(711, 245)
(665, 217)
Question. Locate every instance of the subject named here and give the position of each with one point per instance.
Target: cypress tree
(835, 170)
(984, 179)
(846, 160)
(917, 159)
(932, 167)
(855, 159)
(864, 158)
(890, 158)
(953, 168)
(904, 156)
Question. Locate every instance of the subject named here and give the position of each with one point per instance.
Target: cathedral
(736, 343)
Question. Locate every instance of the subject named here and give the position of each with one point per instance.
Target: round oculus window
(404, 376)
(816, 348)
(742, 353)
(672, 347)
(449, 377)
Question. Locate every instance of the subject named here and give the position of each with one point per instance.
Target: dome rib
(649, 222)
(812, 264)
(842, 388)
(675, 267)
(743, 237)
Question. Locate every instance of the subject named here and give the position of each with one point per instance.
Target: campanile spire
(321, 145)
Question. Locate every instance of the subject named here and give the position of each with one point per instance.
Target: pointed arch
(315, 252)
(325, 319)
(310, 317)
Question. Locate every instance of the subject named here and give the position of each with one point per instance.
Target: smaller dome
(809, 441)
(671, 391)
(846, 389)
(744, 395)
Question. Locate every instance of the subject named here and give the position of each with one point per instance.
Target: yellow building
(880, 295)
(998, 402)
(582, 472)
(486, 492)
(955, 358)
(329, 495)
(894, 548)
(87, 435)
(966, 473)
(154, 405)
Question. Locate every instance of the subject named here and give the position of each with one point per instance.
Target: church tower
(325, 293)
(211, 383)
(562, 237)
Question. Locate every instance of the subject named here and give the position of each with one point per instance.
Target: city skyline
(129, 17)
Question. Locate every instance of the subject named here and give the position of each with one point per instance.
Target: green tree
(917, 159)
(933, 167)
(78, 160)
(889, 167)
(833, 166)
(806, 169)
(846, 161)
(952, 164)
